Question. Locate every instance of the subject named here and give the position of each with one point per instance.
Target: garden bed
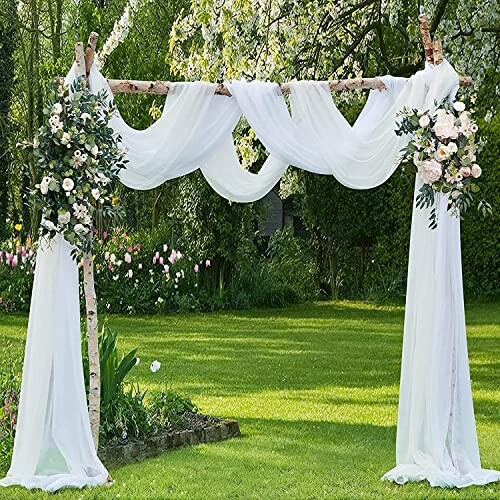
(198, 428)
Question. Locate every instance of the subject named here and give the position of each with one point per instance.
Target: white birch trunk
(93, 347)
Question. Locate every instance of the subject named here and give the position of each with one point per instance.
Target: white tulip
(459, 106)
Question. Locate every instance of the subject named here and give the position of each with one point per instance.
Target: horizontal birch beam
(161, 87)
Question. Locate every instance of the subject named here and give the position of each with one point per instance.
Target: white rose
(57, 108)
(95, 150)
(68, 184)
(452, 147)
(459, 106)
(424, 121)
(44, 187)
(49, 225)
(79, 228)
(63, 218)
(476, 171)
(430, 171)
(96, 193)
(155, 366)
(465, 171)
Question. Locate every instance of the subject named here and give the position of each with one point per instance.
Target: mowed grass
(314, 388)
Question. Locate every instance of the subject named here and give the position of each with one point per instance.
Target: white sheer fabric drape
(53, 446)
(436, 431)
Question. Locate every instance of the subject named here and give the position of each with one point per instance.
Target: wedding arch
(436, 434)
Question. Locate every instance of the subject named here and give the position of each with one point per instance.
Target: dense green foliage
(315, 391)
(357, 241)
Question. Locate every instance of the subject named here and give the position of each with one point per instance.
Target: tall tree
(8, 36)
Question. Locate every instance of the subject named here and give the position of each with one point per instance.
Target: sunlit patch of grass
(315, 389)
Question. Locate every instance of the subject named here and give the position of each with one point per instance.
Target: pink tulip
(166, 268)
(104, 235)
(196, 268)
(128, 258)
(165, 248)
(161, 261)
(129, 249)
(106, 256)
(154, 260)
(130, 273)
(157, 255)
(14, 261)
(208, 263)
(137, 247)
(139, 266)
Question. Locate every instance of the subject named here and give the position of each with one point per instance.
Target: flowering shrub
(443, 148)
(10, 387)
(134, 275)
(17, 265)
(79, 157)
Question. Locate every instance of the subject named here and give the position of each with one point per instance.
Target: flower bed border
(155, 445)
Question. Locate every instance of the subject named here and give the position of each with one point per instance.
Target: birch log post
(93, 347)
(91, 310)
(437, 52)
(426, 38)
(90, 51)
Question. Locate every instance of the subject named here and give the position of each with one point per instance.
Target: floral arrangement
(443, 148)
(79, 157)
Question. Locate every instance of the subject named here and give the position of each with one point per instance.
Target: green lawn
(315, 389)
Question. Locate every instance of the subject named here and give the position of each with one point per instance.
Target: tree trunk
(333, 268)
(93, 347)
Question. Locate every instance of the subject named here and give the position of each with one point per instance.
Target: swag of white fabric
(436, 435)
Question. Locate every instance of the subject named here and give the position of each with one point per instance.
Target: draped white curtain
(53, 446)
(436, 437)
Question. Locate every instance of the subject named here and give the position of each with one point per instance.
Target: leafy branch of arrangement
(443, 149)
(79, 158)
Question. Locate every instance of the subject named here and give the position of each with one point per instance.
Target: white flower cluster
(120, 31)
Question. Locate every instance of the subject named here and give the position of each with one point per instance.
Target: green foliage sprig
(79, 158)
(443, 148)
